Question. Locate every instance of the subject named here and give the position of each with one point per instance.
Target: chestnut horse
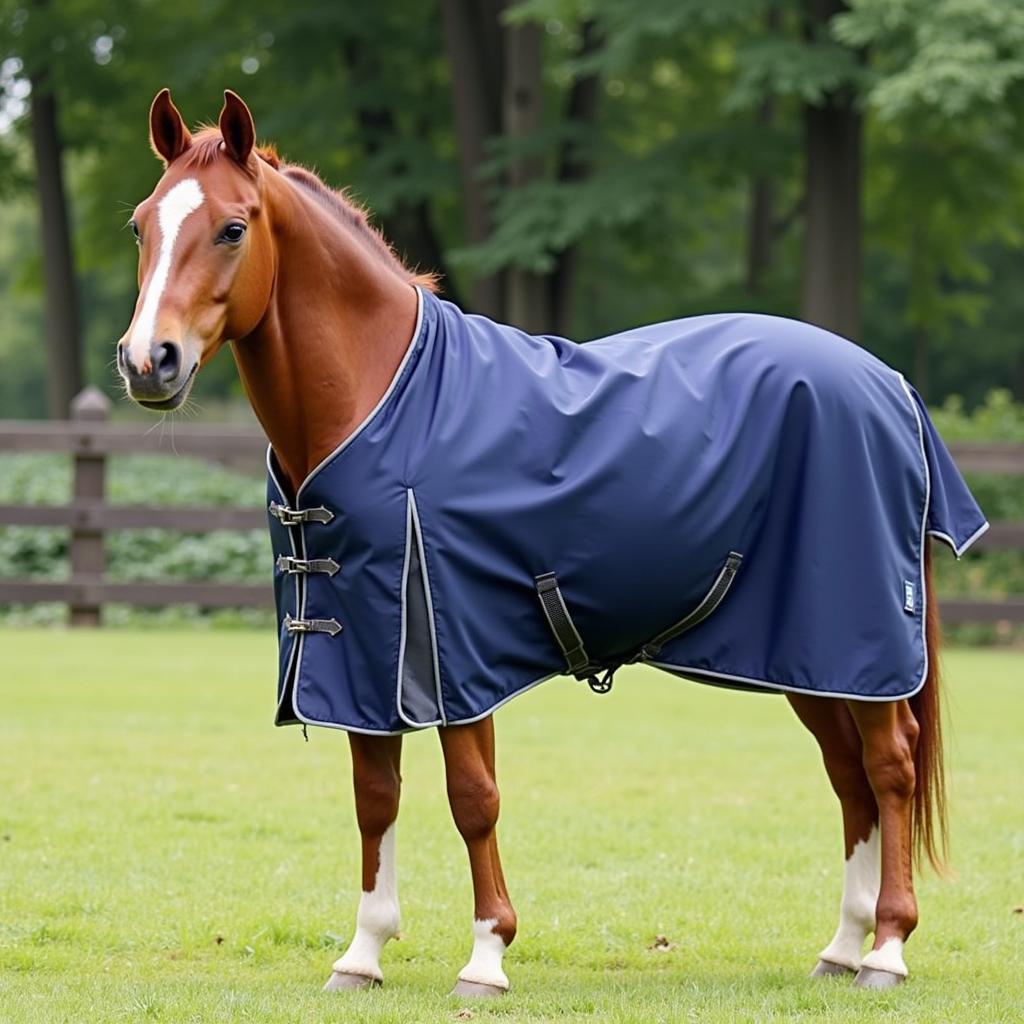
(237, 245)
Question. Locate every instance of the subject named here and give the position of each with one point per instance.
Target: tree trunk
(63, 334)
(761, 225)
(526, 292)
(409, 227)
(922, 361)
(472, 33)
(574, 166)
(832, 240)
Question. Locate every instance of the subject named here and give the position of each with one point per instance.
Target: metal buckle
(286, 563)
(330, 626)
(296, 517)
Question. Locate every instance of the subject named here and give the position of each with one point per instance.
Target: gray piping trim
(959, 551)
(383, 398)
(409, 529)
(924, 528)
(296, 641)
(782, 687)
(425, 572)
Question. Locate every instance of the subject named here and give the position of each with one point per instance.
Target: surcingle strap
(560, 621)
(296, 517)
(569, 640)
(330, 626)
(711, 600)
(286, 563)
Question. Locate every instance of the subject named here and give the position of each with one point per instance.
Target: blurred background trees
(577, 166)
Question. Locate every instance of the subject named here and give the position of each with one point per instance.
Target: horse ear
(237, 128)
(167, 132)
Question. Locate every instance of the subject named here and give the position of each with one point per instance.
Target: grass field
(166, 855)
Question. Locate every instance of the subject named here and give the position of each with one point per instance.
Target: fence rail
(90, 438)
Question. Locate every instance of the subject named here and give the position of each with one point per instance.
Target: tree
(833, 130)
(62, 327)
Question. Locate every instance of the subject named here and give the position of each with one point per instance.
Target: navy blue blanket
(635, 469)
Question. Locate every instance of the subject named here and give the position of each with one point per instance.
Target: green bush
(146, 554)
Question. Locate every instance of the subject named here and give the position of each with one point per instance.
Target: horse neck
(337, 325)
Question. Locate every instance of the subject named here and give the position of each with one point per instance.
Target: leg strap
(560, 621)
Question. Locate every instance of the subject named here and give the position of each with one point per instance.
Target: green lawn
(167, 855)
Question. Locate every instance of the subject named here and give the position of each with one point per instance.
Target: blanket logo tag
(909, 604)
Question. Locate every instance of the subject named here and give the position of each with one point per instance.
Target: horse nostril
(166, 361)
(122, 363)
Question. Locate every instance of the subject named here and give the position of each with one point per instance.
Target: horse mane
(206, 148)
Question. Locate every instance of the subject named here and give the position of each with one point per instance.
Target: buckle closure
(330, 626)
(296, 516)
(286, 563)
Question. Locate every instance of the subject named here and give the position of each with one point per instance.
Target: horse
(238, 245)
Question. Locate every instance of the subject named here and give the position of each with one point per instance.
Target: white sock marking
(888, 957)
(186, 197)
(377, 919)
(484, 965)
(861, 881)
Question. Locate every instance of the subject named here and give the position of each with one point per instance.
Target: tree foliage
(664, 125)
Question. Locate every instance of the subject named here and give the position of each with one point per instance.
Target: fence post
(88, 558)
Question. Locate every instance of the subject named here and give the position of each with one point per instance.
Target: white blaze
(377, 919)
(186, 197)
(484, 965)
(861, 881)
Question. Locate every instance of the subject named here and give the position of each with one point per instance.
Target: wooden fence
(90, 438)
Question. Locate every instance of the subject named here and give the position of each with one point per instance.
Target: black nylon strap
(565, 633)
(711, 600)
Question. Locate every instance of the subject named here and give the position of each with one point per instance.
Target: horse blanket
(739, 499)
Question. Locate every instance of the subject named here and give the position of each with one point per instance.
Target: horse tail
(929, 820)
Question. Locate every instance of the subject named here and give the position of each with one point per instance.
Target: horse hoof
(869, 977)
(476, 990)
(827, 969)
(349, 982)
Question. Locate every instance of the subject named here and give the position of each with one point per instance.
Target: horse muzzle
(165, 378)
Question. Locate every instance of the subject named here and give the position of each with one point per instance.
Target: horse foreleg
(377, 781)
(890, 731)
(473, 795)
(832, 725)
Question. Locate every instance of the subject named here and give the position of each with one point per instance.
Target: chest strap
(330, 626)
(568, 638)
(285, 563)
(297, 516)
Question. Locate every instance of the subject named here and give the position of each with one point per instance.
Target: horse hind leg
(832, 725)
(890, 733)
(377, 782)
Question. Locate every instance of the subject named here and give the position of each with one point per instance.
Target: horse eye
(135, 230)
(232, 233)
